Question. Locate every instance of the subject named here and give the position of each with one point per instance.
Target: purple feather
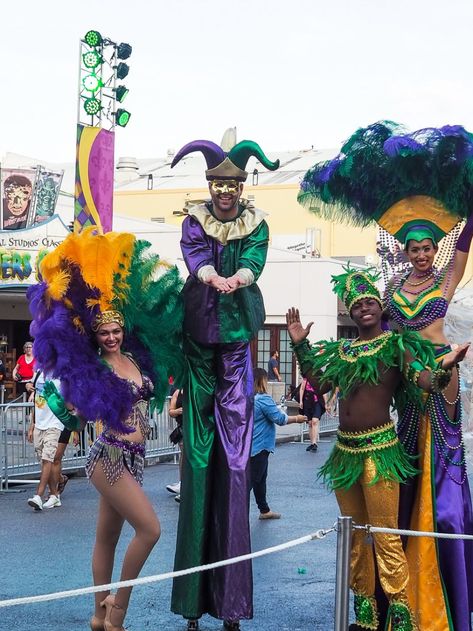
(67, 354)
(401, 145)
(326, 173)
(454, 130)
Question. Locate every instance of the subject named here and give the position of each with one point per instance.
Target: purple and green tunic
(218, 411)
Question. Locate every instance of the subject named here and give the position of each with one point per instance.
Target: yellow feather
(104, 261)
(76, 321)
(58, 285)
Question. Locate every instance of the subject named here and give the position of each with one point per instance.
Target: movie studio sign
(21, 251)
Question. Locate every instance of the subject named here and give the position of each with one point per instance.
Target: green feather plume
(381, 164)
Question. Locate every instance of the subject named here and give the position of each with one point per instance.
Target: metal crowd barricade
(16, 453)
(18, 462)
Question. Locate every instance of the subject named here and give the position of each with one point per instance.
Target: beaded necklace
(351, 350)
(415, 274)
(423, 279)
(447, 435)
(414, 292)
(432, 310)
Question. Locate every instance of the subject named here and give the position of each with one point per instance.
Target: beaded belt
(369, 440)
(127, 445)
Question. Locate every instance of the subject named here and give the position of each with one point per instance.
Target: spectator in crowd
(175, 412)
(332, 401)
(3, 370)
(24, 368)
(312, 406)
(267, 416)
(59, 480)
(44, 432)
(273, 367)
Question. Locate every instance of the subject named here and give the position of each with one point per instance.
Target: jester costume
(218, 397)
(417, 186)
(92, 279)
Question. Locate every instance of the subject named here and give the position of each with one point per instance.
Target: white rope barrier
(318, 534)
(413, 533)
(145, 580)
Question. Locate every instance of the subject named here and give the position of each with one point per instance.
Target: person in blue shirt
(267, 416)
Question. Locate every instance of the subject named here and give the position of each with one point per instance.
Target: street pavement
(49, 551)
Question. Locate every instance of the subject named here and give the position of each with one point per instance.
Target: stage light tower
(101, 65)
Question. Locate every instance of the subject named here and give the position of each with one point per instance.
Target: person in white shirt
(44, 431)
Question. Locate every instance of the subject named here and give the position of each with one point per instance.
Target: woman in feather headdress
(107, 324)
(418, 187)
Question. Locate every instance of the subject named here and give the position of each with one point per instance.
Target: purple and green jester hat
(226, 166)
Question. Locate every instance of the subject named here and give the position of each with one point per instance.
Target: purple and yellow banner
(94, 178)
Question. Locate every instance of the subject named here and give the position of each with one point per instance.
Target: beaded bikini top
(428, 306)
(139, 412)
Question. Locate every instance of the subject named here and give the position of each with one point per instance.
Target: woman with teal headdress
(418, 187)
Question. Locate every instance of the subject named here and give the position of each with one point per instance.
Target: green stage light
(92, 83)
(122, 70)
(92, 59)
(122, 117)
(92, 106)
(121, 93)
(93, 38)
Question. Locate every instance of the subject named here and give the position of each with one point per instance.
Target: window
(270, 338)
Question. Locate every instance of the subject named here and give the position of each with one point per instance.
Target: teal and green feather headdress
(355, 285)
(407, 183)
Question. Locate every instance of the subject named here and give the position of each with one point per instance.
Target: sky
(289, 74)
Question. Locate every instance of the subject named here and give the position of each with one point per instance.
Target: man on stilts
(224, 245)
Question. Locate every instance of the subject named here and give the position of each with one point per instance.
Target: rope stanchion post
(342, 576)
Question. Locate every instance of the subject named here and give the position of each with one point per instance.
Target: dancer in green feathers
(368, 462)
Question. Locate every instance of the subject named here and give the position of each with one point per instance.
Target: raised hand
(296, 331)
(455, 356)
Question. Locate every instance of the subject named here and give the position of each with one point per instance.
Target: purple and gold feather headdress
(89, 275)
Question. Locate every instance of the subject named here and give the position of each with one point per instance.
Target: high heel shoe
(96, 624)
(110, 606)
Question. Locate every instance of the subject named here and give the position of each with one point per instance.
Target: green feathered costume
(346, 364)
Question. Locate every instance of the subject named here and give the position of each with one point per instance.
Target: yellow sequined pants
(376, 505)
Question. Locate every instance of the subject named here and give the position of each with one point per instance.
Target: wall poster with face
(17, 188)
(48, 185)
